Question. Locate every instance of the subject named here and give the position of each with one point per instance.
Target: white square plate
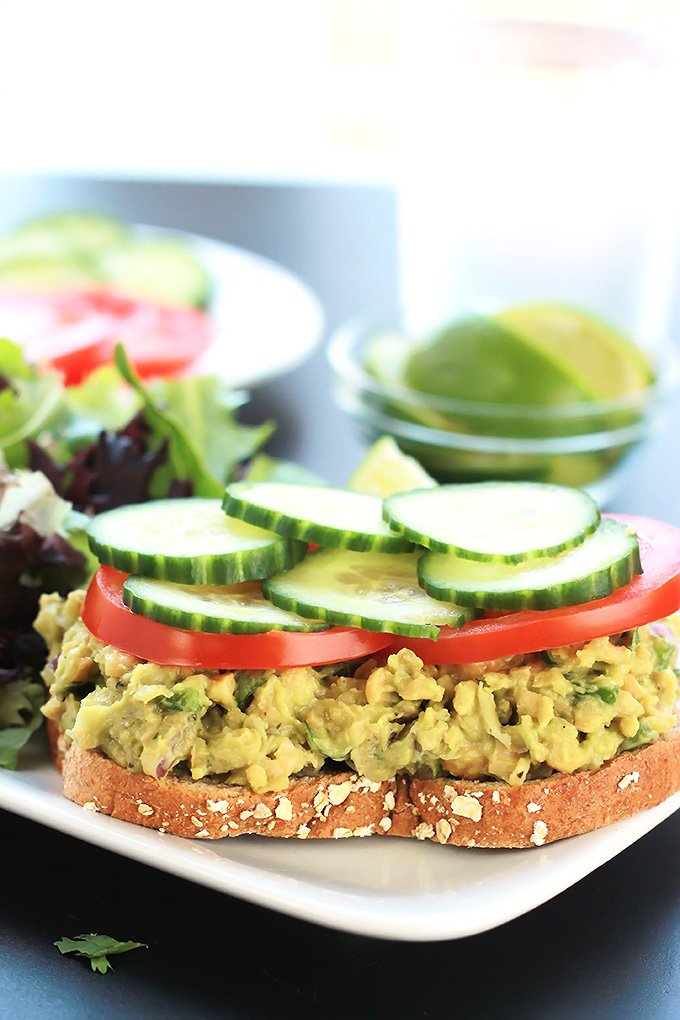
(389, 888)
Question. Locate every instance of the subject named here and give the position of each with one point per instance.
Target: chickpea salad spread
(516, 718)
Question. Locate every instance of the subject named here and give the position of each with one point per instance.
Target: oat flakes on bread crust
(453, 811)
(488, 814)
(325, 806)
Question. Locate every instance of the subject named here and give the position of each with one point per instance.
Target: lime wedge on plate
(385, 470)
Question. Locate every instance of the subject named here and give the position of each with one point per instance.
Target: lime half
(602, 362)
(482, 360)
(541, 354)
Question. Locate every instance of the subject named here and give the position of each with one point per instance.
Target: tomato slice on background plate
(649, 596)
(76, 331)
(107, 617)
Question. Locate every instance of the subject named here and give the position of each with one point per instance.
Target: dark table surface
(607, 948)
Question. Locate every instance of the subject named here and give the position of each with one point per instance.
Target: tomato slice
(76, 331)
(107, 617)
(650, 596)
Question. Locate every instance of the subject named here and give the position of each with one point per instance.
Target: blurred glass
(538, 161)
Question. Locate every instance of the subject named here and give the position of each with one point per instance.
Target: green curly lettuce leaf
(189, 433)
(27, 401)
(202, 409)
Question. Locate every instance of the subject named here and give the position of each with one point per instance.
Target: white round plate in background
(269, 320)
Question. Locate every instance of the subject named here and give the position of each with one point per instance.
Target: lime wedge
(526, 360)
(531, 354)
(386, 356)
(600, 361)
(484, 360)
(385, 470)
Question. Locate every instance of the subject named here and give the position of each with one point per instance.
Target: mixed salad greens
(113, 440)
(35, 556)
(68, 453)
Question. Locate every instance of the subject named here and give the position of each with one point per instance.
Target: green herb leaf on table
(96, 949)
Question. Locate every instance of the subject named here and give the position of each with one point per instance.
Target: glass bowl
(585, 444)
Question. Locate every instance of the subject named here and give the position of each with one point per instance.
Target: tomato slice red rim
(107, 617)
(649, 596)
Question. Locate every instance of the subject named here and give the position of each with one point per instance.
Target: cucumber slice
(374, 590)
(189, 541)
(65, 233)
(240, 609)
(607, 560)
(505, 522)
(329, 517)
(47, 274)
(164, 271)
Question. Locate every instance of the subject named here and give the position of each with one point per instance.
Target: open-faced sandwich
(485, 665)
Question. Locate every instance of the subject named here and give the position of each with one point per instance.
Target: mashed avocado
(517, 718)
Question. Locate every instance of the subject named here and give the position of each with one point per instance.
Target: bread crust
(453, 811)
(544, 810)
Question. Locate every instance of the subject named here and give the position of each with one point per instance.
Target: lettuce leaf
(100, 402)
(184, 460)
(35, 556)
(27, 400)
(20, 717)
(203, 406)
(176, 436)
(203, 409)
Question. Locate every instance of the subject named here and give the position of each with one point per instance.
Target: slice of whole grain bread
(453, 811)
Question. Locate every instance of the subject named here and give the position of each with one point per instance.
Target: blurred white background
(229, 90)
(325, 92)
(274, 125)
